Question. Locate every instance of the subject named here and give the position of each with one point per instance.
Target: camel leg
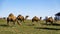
(13, 22)
(51, 22)
(18, 23)
(46, 22)
(7, 22)
(32, 22)
(23, 21)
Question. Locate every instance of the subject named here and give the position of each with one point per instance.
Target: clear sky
(29, 7)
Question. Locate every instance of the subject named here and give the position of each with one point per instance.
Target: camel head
(26, 17)
(40, 18)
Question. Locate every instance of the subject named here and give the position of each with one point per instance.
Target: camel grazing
(35, 18)
(21, 18)
(50, 19)
(12, 18)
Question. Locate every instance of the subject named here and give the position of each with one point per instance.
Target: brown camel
(12, 18)
(50, 19)
(35, 18)
(21, 18)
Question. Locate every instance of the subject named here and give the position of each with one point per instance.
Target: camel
(12, 18)
(50, 19)
(21, 18)
(35, 18)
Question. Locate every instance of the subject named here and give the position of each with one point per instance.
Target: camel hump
(20, 17)
(50, 18)
(11, 16)
(35, 17)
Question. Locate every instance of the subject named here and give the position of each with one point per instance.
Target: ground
(28, 28)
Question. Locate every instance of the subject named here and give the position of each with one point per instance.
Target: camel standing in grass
(21, 18)
(50, 19)
(35, 18)
(12, 18)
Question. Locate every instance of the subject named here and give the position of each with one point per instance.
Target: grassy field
(28, 28)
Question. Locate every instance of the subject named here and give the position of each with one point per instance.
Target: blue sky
(29, 7)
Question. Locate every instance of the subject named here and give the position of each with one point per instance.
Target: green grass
(28, 28)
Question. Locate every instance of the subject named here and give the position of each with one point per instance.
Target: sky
(39, 8)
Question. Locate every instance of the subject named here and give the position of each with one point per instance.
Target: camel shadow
(46, 28)
(3, 25)
(54, 24)
(30, 24)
